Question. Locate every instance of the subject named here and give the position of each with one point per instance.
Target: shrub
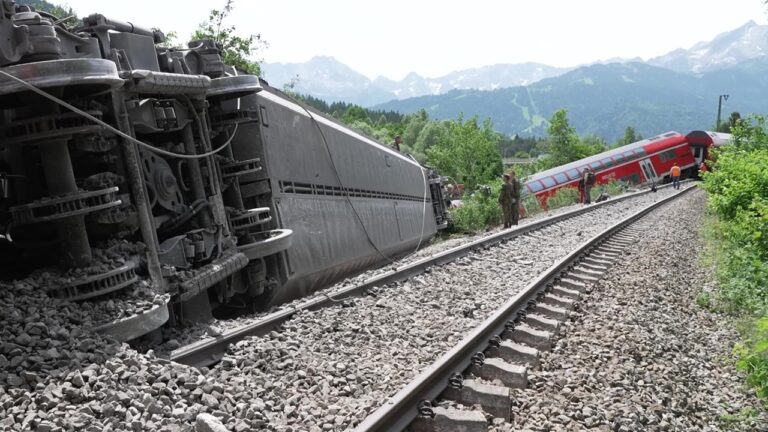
(479, 210)
(738, 241)
(612, 188)
(531, 205)
(563, 197)
(753, 356)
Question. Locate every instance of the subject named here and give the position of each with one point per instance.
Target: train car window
(640, 151)
(548, 182)
(671, 134)
(608, 162)
(667, 155)
(573, 173)
(634, 178)
(627, 155)
(595, 165)
(535, 186)
(561, 178)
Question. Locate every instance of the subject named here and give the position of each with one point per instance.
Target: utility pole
(719, 106)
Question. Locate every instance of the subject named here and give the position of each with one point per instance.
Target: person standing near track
(675, 173)
(589, 181)
(515, 197)
(506, 198)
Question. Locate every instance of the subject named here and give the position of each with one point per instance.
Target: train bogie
(133, 170)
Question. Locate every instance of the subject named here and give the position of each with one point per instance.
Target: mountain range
(328, 79)
(605, 99)
(677, 90)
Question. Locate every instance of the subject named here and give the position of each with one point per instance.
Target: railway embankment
(640, 353)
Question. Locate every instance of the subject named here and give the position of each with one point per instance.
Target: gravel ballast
(640, 354)
(328, 369)
(325, 370)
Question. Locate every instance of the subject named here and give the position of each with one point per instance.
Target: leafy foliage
(563, 140)
(236, 50)
(738, 198)
(480, 209)
(630, 136)
(68, 14)
(564, 145)
(520, 147)
(731, 123)
(468, 153)
(563, 197)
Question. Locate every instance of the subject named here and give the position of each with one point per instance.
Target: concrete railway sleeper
(496, 357)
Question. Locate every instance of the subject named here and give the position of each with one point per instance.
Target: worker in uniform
(589, 180)
(505, 201)
(675, 173)
(515, 197)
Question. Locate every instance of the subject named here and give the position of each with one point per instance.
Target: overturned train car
(125, 164)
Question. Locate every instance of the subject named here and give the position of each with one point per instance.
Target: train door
(648, 171)
(699, 154)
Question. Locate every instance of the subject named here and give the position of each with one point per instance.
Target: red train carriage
(638, 162)
(701, 143)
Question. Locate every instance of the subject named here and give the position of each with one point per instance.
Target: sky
(432, 38)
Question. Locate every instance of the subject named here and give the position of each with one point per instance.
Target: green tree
(416, 122)
(592, 144)
(60, 13)
(290, 87)
(629, 137)
(468, 153)
(237, 51)
(354, 114)
(564, 144)
(432, 133)
(729, 125)
(563, 141)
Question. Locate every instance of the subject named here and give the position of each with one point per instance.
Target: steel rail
(398, 412)
(211, 351)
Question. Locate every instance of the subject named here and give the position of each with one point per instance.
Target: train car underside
(133, 175)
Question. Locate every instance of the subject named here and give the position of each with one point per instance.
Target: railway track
(210, 351)
(505, 345)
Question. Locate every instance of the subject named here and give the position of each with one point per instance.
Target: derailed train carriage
(644, 161)
(142, 165)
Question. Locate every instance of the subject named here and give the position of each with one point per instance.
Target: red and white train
(649, 160)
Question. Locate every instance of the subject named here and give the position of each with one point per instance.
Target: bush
(612, 188)
(479, 210)
(563, 197)
(753, 356)
(737, 241)
(531, 205)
